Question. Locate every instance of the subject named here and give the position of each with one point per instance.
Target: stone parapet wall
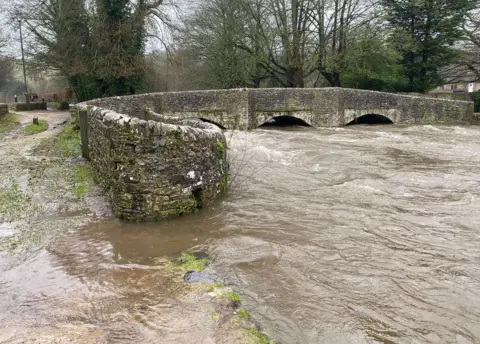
(152, 170)
(230, 106)
(27, 106)
(319, 107)
(3, 109)
(405, 109)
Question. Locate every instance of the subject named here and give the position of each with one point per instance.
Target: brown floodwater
(364, 234)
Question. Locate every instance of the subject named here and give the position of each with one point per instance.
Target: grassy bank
(8, 122)
(33, 128)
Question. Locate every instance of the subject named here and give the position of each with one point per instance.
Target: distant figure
(43, 100)
(16, 99)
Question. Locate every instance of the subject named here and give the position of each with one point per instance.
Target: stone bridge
(246, 109)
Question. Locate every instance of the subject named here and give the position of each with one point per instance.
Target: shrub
(63, 105)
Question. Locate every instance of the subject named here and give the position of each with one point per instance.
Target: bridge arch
(371, 119)
(282, 120)
(371, 116)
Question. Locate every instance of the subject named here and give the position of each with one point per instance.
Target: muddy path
(44, 187)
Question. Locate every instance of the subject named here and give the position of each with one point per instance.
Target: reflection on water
(349, 235)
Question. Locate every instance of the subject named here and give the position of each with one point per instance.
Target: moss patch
(32, 129)
(8, 122)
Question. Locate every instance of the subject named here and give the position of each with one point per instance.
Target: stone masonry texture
(152, 170)
(245, 109)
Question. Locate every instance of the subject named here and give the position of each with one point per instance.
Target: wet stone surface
(200, 277)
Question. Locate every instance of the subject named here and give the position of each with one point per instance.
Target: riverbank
(45, 186)
(48, 202)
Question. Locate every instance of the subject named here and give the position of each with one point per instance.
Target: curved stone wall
(152, 170)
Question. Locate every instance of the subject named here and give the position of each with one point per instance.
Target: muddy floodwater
(363, 234)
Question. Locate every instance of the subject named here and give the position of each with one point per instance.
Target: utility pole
(23, 61)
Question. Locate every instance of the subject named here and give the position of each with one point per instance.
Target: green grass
(8, 122)
(220, 149)
(191, 263)
(82, 180)
(243, 313)
(259, 338)
(234, 298)
(32, 129)
(215, 316)
(68, 141)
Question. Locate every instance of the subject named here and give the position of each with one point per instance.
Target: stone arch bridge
(246, 109)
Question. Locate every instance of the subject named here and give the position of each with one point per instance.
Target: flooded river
(363, 234)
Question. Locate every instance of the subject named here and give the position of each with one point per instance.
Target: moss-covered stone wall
(152, 170)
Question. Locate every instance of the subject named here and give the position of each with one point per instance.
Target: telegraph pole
(23, 61)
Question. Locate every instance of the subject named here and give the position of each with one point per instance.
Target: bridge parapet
(319, 107)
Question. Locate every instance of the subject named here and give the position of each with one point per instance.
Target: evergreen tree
(424, 32)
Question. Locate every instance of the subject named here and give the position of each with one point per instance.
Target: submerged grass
(13, 202)
(32, 129)
(215, 316)
(258, 337)
(8, 122)
(189, 262)
(234, 298)
(83, 180)
(214, 286)
(243, 313)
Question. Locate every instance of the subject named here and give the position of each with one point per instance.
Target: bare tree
(467, 63)
(287, 41)
(6, 66)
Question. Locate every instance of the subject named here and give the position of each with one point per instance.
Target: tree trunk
(333, 78)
